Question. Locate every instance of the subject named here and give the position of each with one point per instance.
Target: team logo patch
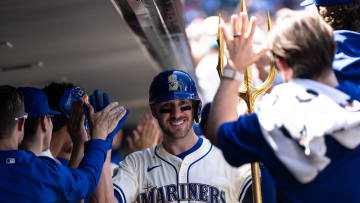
(10, 161)
(173, 83)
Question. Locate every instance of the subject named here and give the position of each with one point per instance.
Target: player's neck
(178, 146)
(56, 138)
(329, 79)
(9, 143)
(34, 145)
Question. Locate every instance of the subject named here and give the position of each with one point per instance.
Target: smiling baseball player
(184, 167)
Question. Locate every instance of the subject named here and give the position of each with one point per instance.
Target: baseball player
(61, 144)
(37, 128)
(24, 177)
(344, 17)
(184, 167)
(306, 132)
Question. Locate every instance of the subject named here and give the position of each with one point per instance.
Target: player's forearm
(223, 108)
(83, 180)
(76, 155)
(104, 192)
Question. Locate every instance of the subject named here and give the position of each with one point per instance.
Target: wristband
(232, 74)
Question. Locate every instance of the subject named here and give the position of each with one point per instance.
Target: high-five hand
(239, 43)
(105, 121)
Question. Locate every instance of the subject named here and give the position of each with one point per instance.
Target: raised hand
(100, 102)
(239, 48)
(104, 122)
(146, 135)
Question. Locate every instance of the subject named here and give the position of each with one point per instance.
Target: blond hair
(305, 43)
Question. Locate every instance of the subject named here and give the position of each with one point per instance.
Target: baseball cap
(325, 2)
(36, 103)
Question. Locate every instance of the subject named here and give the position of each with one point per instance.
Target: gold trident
(249, 94)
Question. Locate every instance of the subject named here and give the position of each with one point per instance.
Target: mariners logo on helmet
(174, 84)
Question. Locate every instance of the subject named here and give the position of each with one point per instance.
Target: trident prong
(220, 40)
(249, 94)
(272, 73)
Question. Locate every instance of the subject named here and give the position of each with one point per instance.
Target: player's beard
(177, 133)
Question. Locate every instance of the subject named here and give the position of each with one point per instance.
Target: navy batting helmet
(174, 84)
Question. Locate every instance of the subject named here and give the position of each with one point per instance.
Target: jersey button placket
(182, 172)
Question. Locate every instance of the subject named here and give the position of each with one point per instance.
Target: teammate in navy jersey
(184, 167)
(306, 132)
(24, 177)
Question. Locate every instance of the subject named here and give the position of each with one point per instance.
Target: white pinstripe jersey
(154, 175)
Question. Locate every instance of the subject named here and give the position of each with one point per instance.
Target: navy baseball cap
(325, 2)
(36, 103)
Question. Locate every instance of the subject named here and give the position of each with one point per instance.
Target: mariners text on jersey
(154, 175)
(183, 192)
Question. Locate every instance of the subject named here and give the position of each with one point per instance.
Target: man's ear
(285, 70)
(20, 125)
(43, 123)
(281, 64)
(153, 110)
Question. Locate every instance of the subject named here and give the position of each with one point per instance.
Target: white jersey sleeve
(126, 180)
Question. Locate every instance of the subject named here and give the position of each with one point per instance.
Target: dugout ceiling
(80, 41)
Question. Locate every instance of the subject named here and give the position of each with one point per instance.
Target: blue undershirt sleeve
(80, 183)
(242, 142)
